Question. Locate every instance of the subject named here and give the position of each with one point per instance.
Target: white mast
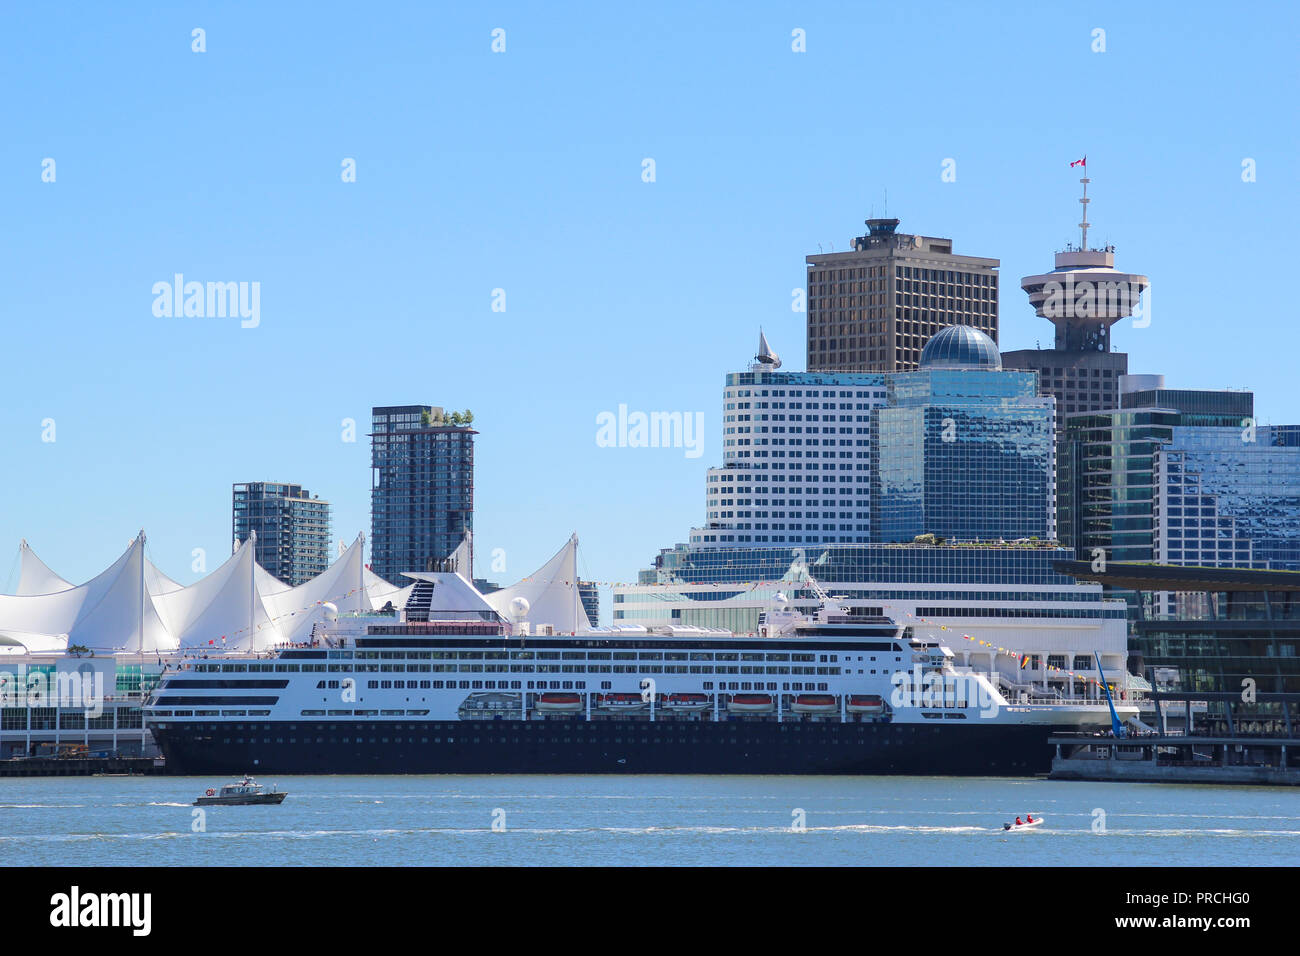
(252, 591)
(575, 582)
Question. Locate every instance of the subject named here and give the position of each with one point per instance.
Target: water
(652, 820)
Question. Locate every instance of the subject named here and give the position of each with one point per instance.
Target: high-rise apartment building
(293, 528)
(422, 487)
(873, 308)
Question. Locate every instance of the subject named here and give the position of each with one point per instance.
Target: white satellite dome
(330, 611)
(780, 599)
(519, 608)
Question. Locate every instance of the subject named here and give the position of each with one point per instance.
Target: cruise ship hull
(612, 746)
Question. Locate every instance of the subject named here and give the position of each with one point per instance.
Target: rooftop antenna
(886, 202)
(1084, 203)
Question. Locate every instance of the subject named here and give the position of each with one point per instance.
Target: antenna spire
(1083, 226)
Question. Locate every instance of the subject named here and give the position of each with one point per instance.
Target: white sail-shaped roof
(381, 592)
(343, 584)
(221, 610)
(111, 612)
(134, 607)
(35, 576)
(463, 557)
(551, 592)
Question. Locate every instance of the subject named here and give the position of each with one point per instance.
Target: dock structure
(120, 766)
(1169, 758)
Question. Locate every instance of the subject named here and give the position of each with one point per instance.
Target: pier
(81, 766)
(1164, 758)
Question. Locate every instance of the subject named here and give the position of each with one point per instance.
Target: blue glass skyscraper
(962, 449)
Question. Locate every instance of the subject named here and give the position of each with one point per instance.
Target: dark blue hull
(614, 746)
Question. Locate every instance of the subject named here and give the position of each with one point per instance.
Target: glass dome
(960, 346)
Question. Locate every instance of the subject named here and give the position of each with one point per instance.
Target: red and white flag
(1080, 162)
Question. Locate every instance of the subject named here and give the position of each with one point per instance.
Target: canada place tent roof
(133, 607)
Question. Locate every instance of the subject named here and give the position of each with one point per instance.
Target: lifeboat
(621, 702)
(751, 704)
(685, 702)
(865, 704)
(559, 704)
(813, 704)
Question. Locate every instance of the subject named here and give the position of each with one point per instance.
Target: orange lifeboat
(559, 703)
(865, 704)
(751, 704)
(814, 704)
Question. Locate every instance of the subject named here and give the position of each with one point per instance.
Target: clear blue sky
(522, 171)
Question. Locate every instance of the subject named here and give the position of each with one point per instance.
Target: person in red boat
(1018, 823)
(1029, 818)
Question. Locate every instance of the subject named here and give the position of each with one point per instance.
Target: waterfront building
(292, 528)
(422, 487)
(78, 662)
(873, 308)
(962, 449)
(1181, 476)
(1002, 608)
(1224, 658)
(1083, 297)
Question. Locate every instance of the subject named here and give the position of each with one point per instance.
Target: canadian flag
(1080, 162)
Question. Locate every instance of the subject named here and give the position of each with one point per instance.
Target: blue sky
(522, 171)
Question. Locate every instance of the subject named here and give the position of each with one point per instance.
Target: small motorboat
(1037, 821)
(246, 791)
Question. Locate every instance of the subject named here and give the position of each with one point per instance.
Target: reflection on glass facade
(966, 454)
(1230, 497)
(878, 563)
(1198, 484)
(1107, 482)
(1218, 643)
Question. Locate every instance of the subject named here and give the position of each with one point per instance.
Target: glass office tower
(1181, 476)
(963, 450)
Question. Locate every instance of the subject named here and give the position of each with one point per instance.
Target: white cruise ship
(448, 685)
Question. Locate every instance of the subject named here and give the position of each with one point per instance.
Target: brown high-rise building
(874, 308)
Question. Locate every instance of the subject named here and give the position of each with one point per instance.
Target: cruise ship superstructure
(449, 684)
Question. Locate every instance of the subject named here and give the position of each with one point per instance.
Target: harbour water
(645, 820)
